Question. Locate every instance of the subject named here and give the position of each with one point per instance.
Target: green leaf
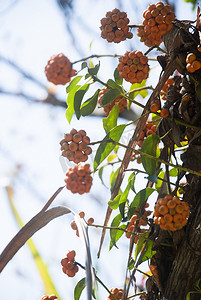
(124, 195)
(173, 172)
(115, 234)
(79, 288)
(94, 70)
(83, 65)
(147, 252)
(91, 64)
(113, 177)
(110, 96)
(131, 179)
(78, 99)
(89, 105)
(70, 102)
(113, 85)
(100, 174)
(150, 146)
(154, 177)
(131, 264)
(114, 204)
(111, 121)
(159, 182)
(140, 244)
(142, 93)
(117, 78)
(111, 157)
(73, 83)
(139, 198)
(106, 148)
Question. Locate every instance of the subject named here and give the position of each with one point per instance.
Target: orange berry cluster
(149, 129)
(164, 89)
(75, 147)
(78, 179)
(133, 66)
(74, 225)
(117, 294)
(50, 297)
(192, 64)
(157, 21)
(107, 108)
(171, 213)
(59, 69)
(142, 222)
(68, 264)
(114, 27)
(156, 105)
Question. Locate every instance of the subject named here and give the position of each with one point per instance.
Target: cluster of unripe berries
(79, 179)
(75, 147)
(74, 225)
(50, 297)
(149, 129)
(59, 69)
(133, 66)
(117, 293)
(107, 108)
(114, 27)
(157, 21)
(142, 221)
(192, 64)
(171, 213)
(68, 264)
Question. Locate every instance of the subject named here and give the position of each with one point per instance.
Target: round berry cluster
(171, 213)
(192, 64)
(78, 179)
(59, 69)
(107, 108)
(68, 264)
(164, 89)
(114, 27)
(50, 297)
(142, 221)
(149, 129)
(157, 21)
(133, 66)
(75, 147)
(74, 225)
(117, 293)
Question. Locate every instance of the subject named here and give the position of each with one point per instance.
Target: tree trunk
(186, 267)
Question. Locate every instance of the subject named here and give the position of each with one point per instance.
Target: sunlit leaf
(142, 93)
(114, 204)
(131, 179)
(73, 83)
(173, 172)
(78, 99)
(124, 196)
(115, 234)
(113, 177)
(159, 182)
(79, 288)
(111, 121)
(105, 148)
(117, 78)
(70, 102)
(147, 252)
(89, 105)
(150, 146)
(110, 96)
(139, 198)
(131, 264)
(111, 157)
(140, 244)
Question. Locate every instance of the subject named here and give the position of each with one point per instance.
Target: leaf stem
(95, 55)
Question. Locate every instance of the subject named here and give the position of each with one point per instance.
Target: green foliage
(147, 252)
(113, 178)
(115, 234)
(106, 147)
(139, 198)
(117, 78)
(150, 146)
(124, 195)
(78, 99)
(79, 288)
(89, 105)
(109, 96)
(111, 121)
(140, 244)
(194, 2)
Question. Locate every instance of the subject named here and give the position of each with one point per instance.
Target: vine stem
(149, 156)
(95, 55)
